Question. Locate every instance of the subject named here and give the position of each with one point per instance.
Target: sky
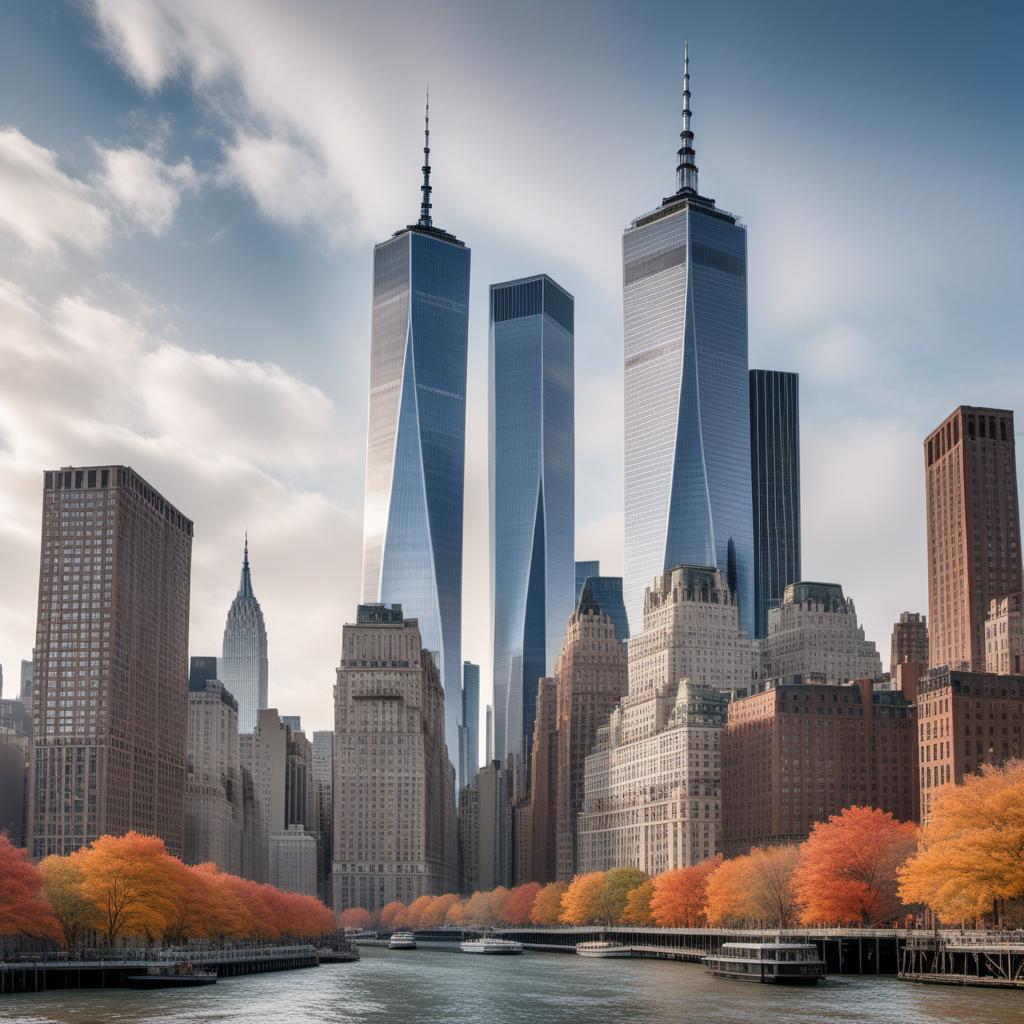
(190, 193)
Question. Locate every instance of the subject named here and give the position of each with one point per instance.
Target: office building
(470, 748)
(607, 591)
(584, 570)
(909, 641)
(323, 782)
(293, 860)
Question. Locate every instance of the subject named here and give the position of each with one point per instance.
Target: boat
(402, 940)
(487, 944)
(182, 975)
(602, 948)
(778, 963)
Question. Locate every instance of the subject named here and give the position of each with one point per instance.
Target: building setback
(909, 641)
(774, 487)
(1004, 636)
(110, 700)
(394, 803)
(974, 552)
(796, 752)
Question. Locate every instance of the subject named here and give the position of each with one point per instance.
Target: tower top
(245, 584)
(686, 169)
(425, 221)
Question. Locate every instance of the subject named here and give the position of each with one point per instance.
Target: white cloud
(40, 205)
(838, 353)
(146, 190)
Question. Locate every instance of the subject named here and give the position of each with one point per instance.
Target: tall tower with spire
(243, 667)
(415, 445)
(688, 499)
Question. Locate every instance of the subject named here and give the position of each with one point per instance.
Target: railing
(204, 954)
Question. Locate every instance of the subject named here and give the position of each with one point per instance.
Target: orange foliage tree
(581, 902)
(680, 894)
(638, 905)
(392, 915)
(418, 907)
(755, 889)
(846, 873)
(520, 903)
(547, 906)
(23, 909)
(485, 909)
(972, 849)
(356, 918)
(436, 915)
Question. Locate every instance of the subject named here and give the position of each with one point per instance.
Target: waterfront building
(323, 784)
(965, 720)
(815, 632)
(532, 495)
(652, 784)
(687, 439)
(415, 447)
(243, 666)
(470, 748)
(973, 541)
(110, 687)
(774, 487)
(213, 780)
(1004, 635)
(394, 798)
(796, 751)
(607, 591)
(543, 827)
(909, 641)
(293, 860)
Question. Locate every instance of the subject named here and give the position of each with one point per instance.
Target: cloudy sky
(190, 193)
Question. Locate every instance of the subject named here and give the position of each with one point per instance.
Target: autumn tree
(62, 888)
(520, 903)
(436, 915)
(392, 915)
(638, 905)
(456, 915)
(485, 909)
(356, 918)
(971, 855)
(547, 906)
(680, 895)
(846, 873)
(730, 894)
(418, 907)
(23, 909)
(581, 901)
(618, 883)
(755, 889)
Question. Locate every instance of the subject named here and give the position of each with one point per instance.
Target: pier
(986, 959)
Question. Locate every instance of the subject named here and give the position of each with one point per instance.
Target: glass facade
(412, 526)
(532, 495)
(583, 571)
(687, 484)
(775, 487)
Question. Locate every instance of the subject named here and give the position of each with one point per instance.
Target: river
(427, 986)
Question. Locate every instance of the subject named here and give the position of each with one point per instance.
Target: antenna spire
(686, 169)
(425, 221)
(245, 584)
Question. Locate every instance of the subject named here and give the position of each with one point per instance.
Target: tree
(972, 849)
(456, 915)
(618, 883)
(730, 895)
(774, 895)
(581, 901)
(846, 873)
(520, 903)
(62, 888)
(23, 910)
(755, 889)
(485, 909)
(418, 907)
(547, 906)
(680, 895)
(436, 915)
(356, 918)
(638, 905)
(392, 915)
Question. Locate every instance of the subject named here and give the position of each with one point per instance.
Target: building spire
(686, 169)
(425, 221)
(245, 584)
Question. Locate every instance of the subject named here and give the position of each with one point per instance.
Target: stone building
(255, 840)
(909, 641)
(293, 860)
(394, 801)
(797, 751)
(1004, 636)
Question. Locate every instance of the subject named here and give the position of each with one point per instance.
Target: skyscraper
(686, 390)
(532, 482)
(774, 487)
(111, 662)
(412, 520)
(909, 641)
(974, 552)
(607, 592)
(243, 665)
(470, 749)
(584, 570)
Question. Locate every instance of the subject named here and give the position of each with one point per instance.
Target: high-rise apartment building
(909, 641)
(687, 392)
(415, 447)
(774, 487)
(532, 495)
(607, 591)
(110, 701)
(243, 666)
(1004, 636)
(795, 752)
(815, 632)
(974, 554)
(213, 780)
(394, 800)
(470, 747)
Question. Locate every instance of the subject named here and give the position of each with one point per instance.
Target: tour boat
(402, 940)
(778, 963)
(182, 975)
(602, 948)
(487, 944)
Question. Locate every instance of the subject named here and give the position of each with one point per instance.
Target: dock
(985, 959)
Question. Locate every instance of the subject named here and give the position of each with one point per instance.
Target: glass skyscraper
(606, 592)
(412, 522)
(686, 390)
(775, 487)
(532, 485)
(243, 666)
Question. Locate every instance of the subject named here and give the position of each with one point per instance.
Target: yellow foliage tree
(547, 906)
(581, 902)
(638, 905)
(755, 889)
(62, 887)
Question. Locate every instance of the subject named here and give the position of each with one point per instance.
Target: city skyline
(63, 307)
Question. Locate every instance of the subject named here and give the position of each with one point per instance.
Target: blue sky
(190, 192)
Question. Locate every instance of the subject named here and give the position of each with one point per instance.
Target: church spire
(425, 221)
(245, 584)
(686, 169)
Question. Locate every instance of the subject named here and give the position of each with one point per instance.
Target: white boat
(486, 944)
(778, 963)
(602, 948)
(402, 940)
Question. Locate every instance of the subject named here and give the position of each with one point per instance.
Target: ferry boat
(778, 963)
(602, 948)
(182, 975)
(402, 940)
(487, 944)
